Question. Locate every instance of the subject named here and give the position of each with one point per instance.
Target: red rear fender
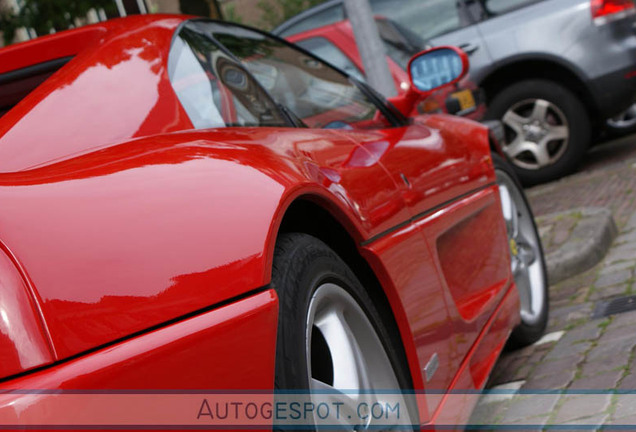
(125, 238)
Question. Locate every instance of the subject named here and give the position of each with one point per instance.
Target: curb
(588, 243)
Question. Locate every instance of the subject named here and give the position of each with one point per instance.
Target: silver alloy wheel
(537, 133)
(346, 360)
(624, 120)
(525, 249)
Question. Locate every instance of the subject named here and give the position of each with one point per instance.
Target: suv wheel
(547, 129)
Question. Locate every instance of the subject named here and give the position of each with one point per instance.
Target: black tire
(572, 108)
(301, 264)
(524, 334)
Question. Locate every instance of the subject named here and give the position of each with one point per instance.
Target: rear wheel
(547, 129)
(332, 339)
(527, 259)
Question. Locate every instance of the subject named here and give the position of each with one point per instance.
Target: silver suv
(553, 70)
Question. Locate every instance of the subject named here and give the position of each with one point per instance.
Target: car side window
(214, 90)
(321, 47)
(499, 7)
(316, 93)
(319, 19)
(427, 18)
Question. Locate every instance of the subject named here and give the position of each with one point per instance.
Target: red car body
(341, 36)
(137, 251)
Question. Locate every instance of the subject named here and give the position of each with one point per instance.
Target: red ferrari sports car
(190, 206)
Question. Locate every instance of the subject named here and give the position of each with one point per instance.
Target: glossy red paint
(407, 272)
(435, 304)
(51, 47)
(479, 362)
(117, 92)
(184, 355)
(24, 342)
(474, 269)
(135, 269)
(130, 227)
(441, 157)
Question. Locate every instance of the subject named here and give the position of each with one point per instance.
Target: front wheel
(333, 343)
(547, 129)
(527, 259)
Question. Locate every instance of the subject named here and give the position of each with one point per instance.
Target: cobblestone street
(585, 351)
(606, 179)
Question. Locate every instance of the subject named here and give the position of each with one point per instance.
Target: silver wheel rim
(525, 250)
(537, 134)
(356, 357)
(624, 120)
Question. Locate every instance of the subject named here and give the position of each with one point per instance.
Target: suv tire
(547, 129)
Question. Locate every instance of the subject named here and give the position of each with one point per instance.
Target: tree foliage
(46, 15)
(195, 7)
(276, 12)
(230, 14)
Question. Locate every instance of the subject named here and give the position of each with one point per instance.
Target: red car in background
(190, 207)
(336, 44)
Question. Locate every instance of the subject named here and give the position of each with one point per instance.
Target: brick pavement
(582, 356)
(607, 179)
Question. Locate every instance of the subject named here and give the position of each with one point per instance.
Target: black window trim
(34, 70)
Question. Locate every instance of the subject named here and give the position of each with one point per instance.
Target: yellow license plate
(465, 98)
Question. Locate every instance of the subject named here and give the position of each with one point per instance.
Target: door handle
(469, 48)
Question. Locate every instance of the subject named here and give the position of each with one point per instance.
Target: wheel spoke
(351, 372)
(526, 253)
(518, 146)
(557, 133)
(514, 121)
(540, 110)
(509, 211)
(540, 153)
(347, 405)
(359, 361)
(524, 288)
(537, 296)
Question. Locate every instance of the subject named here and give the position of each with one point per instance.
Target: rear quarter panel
(124, 238)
